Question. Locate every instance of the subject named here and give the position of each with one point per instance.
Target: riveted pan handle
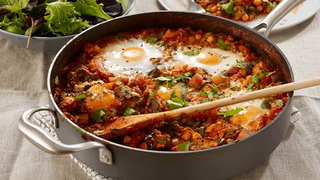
(276, 15)
(40, 138)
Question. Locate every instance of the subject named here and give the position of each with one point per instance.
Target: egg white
(228, 58)
(113, 62)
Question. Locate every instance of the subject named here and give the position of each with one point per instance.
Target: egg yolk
(101, 99)
(248, 117)
(133, 54)
(165, 93)
(209, 58)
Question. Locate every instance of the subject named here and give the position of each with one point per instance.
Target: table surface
(23, 85)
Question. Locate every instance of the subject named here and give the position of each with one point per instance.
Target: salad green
(50, 17)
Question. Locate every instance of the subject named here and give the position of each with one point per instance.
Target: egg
(214, 60)
(165, 93)
(127, 56)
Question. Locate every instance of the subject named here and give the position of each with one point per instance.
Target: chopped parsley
(222, 45)
(176, 102)
(192, 53)
(266, 103)
(81, 96)
(56, 80)
(98, 131)
(96, 114)
(94, 96)
(235, 88)
(151, 95)
(239, 64)
(230, 113)
(129, 111)
(152, 39)
(184, 146)
(279, 103)
(222, 141)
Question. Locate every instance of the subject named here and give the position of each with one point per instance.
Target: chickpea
(259, 8)
(144, 145)
(196, 135)
(211, 39)
(214, 9)
(126, 139)
(192, 39)
(245, 17)
(267, 9)
(187, 135)
(230, 38)
(227, 42)
(257, 2)
(198, 37)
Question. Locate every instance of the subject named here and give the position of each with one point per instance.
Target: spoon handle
(128, 124)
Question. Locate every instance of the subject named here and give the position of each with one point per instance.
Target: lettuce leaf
(90, 8)
(13, 24)
(124, 4)
(63, 19)
(17, 6)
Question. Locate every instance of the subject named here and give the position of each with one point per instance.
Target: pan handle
(40, 138)
(276, 15)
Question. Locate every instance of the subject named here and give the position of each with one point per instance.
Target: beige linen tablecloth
(23, 85)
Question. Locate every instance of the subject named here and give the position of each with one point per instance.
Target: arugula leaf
(62, 19)
(230, 113)
(228, 7)
(222, 45)
(129, 111)
(96, 114)
(90, 8)
(192, 53)
(265, 103)
(152, 39)
(184, 146)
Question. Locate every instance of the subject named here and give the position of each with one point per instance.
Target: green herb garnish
(129, 112)
(222, 45)
(96, 114)
(266, 103)
(98, 131)
(152, 39)
(192, 53)
(228, 7)
(184, 146)
(279, 103)
(230, 113)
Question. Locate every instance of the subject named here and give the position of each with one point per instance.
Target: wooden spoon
(127, 124)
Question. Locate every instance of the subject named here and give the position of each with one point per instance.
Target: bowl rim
(130, 7)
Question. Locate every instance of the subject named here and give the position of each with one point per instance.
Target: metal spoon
(195, 7)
